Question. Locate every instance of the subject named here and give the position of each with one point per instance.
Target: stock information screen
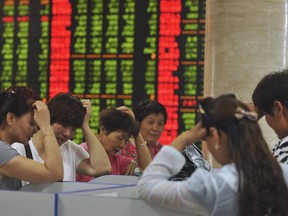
(114, 52)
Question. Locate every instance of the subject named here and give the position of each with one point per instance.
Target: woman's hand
(126, 110)
(41, 114)
(189, 137)
(198, 132)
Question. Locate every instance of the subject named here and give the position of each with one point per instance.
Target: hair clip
(201, 110)
(240, 113)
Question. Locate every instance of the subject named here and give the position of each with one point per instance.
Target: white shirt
(72, 154)
(280, 150)
(204, 193)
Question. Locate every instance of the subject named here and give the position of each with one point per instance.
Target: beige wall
(244, 41)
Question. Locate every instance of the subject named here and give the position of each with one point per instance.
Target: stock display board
(114, 52)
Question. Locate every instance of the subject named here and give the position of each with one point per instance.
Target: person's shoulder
(226, 175)
(226, 172)
(7, 152)
(72, 145)
(4, 145)
(19, 147)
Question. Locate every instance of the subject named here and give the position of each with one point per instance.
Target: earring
(217, 146)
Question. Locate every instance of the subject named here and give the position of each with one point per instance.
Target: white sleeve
(155, 187)
(20, 148)
(80, 154)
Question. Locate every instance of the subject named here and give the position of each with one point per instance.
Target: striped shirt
(280, 151)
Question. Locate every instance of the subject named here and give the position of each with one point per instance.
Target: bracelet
(48, 135)
(142, 144)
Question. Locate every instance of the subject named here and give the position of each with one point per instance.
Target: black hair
(146, 107)
(17, 100)
(113, 119)
(66, 109)
(272, 87)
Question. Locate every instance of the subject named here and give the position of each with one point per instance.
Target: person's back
(270, 98)
(244, 185)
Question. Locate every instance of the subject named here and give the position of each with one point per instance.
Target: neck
(4, 138)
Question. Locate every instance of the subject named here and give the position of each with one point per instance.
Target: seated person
(67, 113)
(22, 113)
(152, 117)
(250, 182)
(116, 127)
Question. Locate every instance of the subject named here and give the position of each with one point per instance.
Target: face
(277, 125)
(114, 141)
(23, 128)
(152, 127)
(63, 133)
(279, 120)
(270, 121)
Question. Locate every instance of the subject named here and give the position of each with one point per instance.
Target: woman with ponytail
(250, 181)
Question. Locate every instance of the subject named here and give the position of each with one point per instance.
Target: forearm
(181, 141)
(53, 160)
(99, 160)
(143, 153)
(189, 137)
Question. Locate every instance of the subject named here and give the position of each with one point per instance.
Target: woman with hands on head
(250, 182)
(142, 150)
(67, 114)
(116, 127)
(21, 113)
(152, 117)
